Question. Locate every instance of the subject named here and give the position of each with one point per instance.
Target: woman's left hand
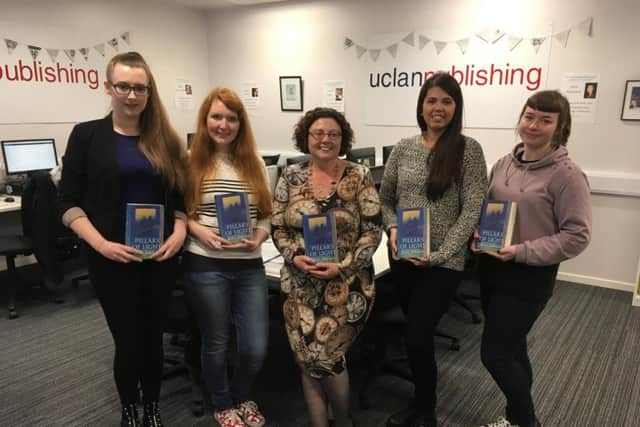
(325, 270)
(173, 243)
(419, 262)
(258, 237)
(505, 254)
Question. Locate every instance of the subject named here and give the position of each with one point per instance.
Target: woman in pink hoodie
(553, 223)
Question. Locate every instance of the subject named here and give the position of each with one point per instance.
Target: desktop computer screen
(29, 155)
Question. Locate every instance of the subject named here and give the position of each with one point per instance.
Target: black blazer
(90, 180)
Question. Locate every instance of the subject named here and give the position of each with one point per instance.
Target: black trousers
(426, 294)
(135, 300)
(508, 320)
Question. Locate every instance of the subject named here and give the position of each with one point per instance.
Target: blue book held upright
(232, 210)
(320, 237)
(144, 227)
(413, 238)
(496, 224)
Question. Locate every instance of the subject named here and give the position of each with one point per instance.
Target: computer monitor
(190, 137)
(364, 156)
(271, 159)
(386, 152)
(29, 155)
(298, 159)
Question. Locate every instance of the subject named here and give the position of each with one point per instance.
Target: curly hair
(301, 129)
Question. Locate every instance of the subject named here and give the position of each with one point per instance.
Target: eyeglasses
(319, 135)
(125, 89)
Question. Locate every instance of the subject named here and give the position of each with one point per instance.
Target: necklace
(323, 186)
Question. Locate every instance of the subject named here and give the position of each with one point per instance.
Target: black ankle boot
(151, 417)
(130, 416)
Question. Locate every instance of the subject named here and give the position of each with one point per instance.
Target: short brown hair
(552, 101)
(301, 130)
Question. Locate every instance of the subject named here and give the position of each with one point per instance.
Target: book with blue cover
(413, 237)
(234, 221)
(497, 220)
(144, 227)
(319, 233)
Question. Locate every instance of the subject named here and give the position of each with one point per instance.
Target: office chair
(10, 247)
(364, 156)
(386, 152)
(298, 159)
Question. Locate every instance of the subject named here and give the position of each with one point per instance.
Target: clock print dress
(323, 317)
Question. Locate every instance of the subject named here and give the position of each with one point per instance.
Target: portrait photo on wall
(631, 101)
(590, 90)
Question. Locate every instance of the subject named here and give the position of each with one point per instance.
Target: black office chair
(298, 159)
(364, 156)
(12, 246)
(386, 152)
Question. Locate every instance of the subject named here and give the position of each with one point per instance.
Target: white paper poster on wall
(496, 77)
(250, 93)
(333, 94)
(581, 89)
(184, 95)
(38, 86)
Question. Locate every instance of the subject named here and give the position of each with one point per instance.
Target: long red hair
(244, 154)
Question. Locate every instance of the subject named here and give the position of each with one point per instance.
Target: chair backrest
(365, 156)
(297, 159)
(386, 152)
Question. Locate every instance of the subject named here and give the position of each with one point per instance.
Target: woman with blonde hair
(226, 283)
(132, 155)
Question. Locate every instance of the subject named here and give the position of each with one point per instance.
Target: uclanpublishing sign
(495, 82)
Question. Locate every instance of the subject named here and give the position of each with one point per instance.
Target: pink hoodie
(553, 220)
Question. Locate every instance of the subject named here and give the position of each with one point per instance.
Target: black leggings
(135, 299)
(426, 294)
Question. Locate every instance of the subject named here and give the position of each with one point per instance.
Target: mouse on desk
(9, 199)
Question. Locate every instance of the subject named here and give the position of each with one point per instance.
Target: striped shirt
(225, 180)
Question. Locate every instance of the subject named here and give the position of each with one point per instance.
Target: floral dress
(323, 317)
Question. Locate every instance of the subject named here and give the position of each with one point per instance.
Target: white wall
(306, 38)
(172, 39)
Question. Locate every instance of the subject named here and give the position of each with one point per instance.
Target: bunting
(35, 50)
(490, 35)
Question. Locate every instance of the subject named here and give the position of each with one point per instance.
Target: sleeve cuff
(72, 214)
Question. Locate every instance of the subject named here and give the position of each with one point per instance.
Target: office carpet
(55, 368)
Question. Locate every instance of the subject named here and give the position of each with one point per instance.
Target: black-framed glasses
(125, 89)
(319, 135)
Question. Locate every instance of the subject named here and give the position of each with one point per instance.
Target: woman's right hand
(210, 237)
(304, 263)
(118, 252)
(393, 243)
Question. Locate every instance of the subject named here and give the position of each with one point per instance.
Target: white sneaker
(500, 422)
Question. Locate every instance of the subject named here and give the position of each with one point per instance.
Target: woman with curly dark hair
(327, 303)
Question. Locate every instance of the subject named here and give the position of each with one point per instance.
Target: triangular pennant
(347, 42)
(410, 39)
(587, 26)
(439, 46)
(53, 54)
(84, 51)
(113, 43)
(393, 49)
(490, 35)
(71, 54)
(100, 48)
(126, 37)
(512, 41)
(35, 51)
(11, 45)
(537, 42)
(422, 41)
(360, 51)
(563, 37)
(463, 44)
(374, 53)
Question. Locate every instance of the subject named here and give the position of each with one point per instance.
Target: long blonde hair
(244, 154)
(159, 142)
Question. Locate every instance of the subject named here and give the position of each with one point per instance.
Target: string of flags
(72, 54)
(487, 35)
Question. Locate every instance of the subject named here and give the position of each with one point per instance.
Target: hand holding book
(504, 254)
(393, 245)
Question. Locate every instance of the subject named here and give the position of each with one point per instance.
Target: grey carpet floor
(55, 369)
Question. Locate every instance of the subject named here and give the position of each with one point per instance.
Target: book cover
(234, 221)
(413, 238)
(319, 233)
(496, 224)
(144, 227)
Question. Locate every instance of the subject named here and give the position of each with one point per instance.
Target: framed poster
(631, 102)
(291, 93)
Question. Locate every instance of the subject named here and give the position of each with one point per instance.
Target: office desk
(10, 221)
(9, 207)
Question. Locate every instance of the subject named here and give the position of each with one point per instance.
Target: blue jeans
(220, 299)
